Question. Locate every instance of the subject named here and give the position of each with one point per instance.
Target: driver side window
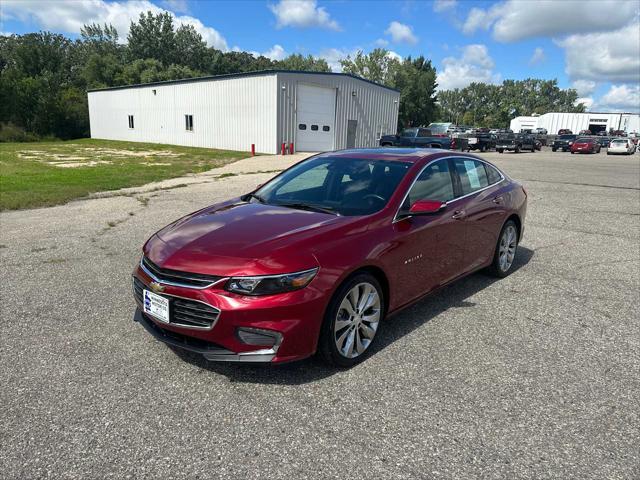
(434, 183)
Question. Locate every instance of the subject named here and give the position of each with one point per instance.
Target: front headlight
(271, 284)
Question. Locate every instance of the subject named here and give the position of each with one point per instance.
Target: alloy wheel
(357, 320)
(507, 249)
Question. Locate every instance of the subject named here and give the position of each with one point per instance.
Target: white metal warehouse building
(314, 111)
(593, 121)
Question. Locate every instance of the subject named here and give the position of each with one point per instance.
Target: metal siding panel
(227, 113)
(372, 105)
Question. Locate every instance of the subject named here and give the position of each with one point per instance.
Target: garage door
(316, 118)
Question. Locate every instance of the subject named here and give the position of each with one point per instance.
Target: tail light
(453, 144)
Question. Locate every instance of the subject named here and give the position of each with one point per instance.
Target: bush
(12, 133)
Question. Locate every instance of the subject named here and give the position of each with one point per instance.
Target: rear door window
(472, 175)
(492, 174)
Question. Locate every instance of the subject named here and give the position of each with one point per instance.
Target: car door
(482, 203)
(428, 249)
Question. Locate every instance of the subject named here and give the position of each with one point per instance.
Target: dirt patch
(86, 156)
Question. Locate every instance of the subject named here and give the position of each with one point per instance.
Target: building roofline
(238, 75)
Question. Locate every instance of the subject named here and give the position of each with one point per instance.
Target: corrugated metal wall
(374, 107)
(228, 113)
(579, 121)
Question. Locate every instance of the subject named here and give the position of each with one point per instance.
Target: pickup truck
(563, 142)
(481, 141)
(418, 137)
(515, 142)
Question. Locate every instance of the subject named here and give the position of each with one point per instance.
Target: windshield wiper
(310, 207)
(257, 197)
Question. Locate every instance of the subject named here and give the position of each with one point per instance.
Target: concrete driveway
(534, 376)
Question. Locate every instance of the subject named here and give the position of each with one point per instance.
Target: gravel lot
(534, 376)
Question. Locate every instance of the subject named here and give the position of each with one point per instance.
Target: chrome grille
(182, 311)
(175, 277)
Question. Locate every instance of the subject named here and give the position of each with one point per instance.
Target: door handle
(499, 199)
(458, 214)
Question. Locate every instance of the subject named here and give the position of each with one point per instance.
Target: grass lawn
(51, 173)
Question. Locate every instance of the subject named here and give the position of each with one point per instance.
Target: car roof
(409, 155)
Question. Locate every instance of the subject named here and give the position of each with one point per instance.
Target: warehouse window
(325, 128)
(314, 127)
(188, 122)
(130, 121)
(302, 126)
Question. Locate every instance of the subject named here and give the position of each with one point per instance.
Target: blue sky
(591, 45)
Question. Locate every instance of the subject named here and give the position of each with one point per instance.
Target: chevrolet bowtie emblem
(156, 287)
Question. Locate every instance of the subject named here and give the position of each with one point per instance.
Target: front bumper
(294, 317)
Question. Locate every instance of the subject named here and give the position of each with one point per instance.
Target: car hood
(240, 238)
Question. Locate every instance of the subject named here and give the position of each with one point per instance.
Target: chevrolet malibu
(315, 259)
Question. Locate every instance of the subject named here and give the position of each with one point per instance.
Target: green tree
(302, 63)
(416, 80)
(152, 37)
(377, 66)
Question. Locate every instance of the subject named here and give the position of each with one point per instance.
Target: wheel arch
(516, 219)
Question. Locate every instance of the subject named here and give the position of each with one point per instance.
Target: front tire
(505, 251)
(352, 321)
(553, 149)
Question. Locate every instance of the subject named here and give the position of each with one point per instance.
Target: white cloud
(443, 5)
(612, 56)
(401, 33)
(334, 55)
(178, 6)
(624, 97)
(515, 19)
(479, 18)
(475, 65)
(537, 57)
(394, 55)
(381, 42)
(302, 14)
(587, 101)
(71, 16)
(584, 87)
(277, 52)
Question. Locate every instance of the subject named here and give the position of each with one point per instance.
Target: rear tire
(505, 251)
(500, 150)
(352, 321)
(517, 150)
(553, 149)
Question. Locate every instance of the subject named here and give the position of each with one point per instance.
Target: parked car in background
(481, 141)
(515, 142)
(621, 146)
(564, 131)
(603, 141)
(585, 145)
(417, 137)
(563, 142)
(540, 131)
(315, 259)
(585, 132)
(618, 133)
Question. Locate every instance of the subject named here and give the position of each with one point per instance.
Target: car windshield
(584, 140)
(619, 141)
(567, 137)
(335, 185)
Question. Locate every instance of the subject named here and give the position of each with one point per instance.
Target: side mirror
(426, 207)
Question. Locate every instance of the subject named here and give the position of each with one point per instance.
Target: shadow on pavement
(399, 325)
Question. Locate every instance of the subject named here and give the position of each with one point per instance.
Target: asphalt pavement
(533, 376)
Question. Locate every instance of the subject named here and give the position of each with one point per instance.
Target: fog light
(259, 337)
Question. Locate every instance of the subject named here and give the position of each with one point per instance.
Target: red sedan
(585, 145)
(316, 258)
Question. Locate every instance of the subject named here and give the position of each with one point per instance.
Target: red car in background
(585, 145)
(316, 258)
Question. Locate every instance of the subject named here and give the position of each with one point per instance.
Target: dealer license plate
(156, 305)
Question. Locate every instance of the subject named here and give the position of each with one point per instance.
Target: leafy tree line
(485, 105)
(44, 77)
